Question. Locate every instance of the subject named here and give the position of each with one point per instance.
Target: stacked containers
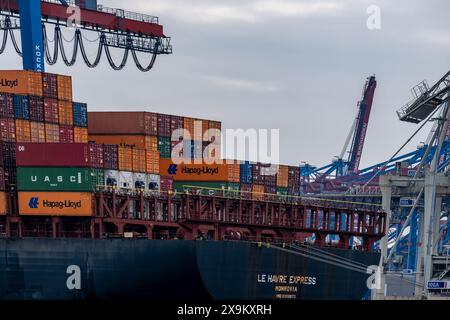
(294, 181)
(56, 179)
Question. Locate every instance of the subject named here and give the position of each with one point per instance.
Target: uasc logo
(9, 83)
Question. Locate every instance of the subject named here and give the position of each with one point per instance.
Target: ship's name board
(285, 279)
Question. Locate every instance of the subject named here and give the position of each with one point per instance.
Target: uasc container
(71, 204)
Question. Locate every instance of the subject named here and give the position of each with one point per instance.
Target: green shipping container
(209, 188)
(58, 179)
(165, 147)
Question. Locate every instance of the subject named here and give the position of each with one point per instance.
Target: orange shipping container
(4, 203)
(234, 172)
(125, 159)
(72, 204)
(283, 177)
(37, 132)
(23, 133)
(80, 135)
(65, 112)
(189, 126)
(258, 192)
(51, 133)
(140, 142)
(65, 88)
(139, 161)
(152, 162)
(194, 172)
(21, 82)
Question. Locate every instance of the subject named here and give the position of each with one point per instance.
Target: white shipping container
(126, 180)
(140, 181)
(111, 178)
(153, 182)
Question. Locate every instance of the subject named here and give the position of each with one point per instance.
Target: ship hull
(75, 269)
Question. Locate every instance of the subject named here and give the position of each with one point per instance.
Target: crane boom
(362, 123)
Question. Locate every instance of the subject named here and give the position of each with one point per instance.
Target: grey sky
(297, 65)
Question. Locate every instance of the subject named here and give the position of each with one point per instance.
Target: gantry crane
(117, 28)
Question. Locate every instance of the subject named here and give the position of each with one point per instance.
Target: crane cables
(319, 255)
(78, 43)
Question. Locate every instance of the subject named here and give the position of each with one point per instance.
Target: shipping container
(139, 161)
(57, 179)
(166, 183)
(189, 126)
(246, 173)
(98, 178)
(80, 115)
(50, 85)
(8, 153)
(2, 179)
(21, 107)
(110, 157)
(65, 112)
(111, 178)
(64, 87)
(198, 130)
(176, 122)
(164, 125)
(153, 182)
(234, 171)
(125, 156)
(51, 110)
(294, 177)
(21, 82)
(125, 180)
(152, 162)
(96, 155)
(258, 192)
(73, 204)
(140, 181)
(10, 178)
(23, 131)
(211, 151)
(4, 203)
(283, 177)
(87, 4)
(66, 134)
(7, 130)
(80, 135)
(36, 105)
(6, 105)
(165, 147)
(246, 191)
(52, 155)
(140, 142)
(37, 130)
(194, 172)
(51, 133)
(117, 123)
(197, 149)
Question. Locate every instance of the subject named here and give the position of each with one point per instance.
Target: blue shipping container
(247, 173)
(80, 115)
(21, 107)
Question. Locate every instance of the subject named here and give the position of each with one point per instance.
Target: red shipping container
(151, 123)
(7, 130)
(51, 110)
(65, 134)
(164, 125)
(96, 155)
(36, 105)
(166, 183)
(53, 155)
(110, 156)
(9, 154)
(129, 123)
(6, 105)
(50, 85)
(176, 122)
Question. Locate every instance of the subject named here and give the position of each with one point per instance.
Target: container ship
(94, 205)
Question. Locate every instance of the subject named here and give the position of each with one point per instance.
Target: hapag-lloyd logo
(9, 83)
(61, 204)
(205, 170)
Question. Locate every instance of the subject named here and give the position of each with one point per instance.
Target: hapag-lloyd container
(69, 204)
(21, 82)
(194, 172)
(56, 179)
(53, 155)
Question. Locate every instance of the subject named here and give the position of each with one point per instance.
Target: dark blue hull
(74, 269)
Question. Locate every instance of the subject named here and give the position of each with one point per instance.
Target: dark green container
(59, 179)
(226, 189)
(165, 147)
(282, 194)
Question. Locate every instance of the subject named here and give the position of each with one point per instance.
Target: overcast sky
(296, 65)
